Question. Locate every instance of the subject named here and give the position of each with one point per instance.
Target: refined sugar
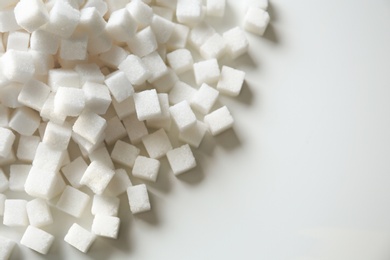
(79, 238)
(143, 43)
(114, 131)
(18, 176)
(102, 155)
(163, 12)
(7, 139)
(15, 213)
(6, 246)
(4, 115)
(63, 78)
(124, 153)
(119, 86)
(181, 159)
(147, 104)
(48, 113)
(38, 213)
(34, 94)
(167, 3)
(236, 42)
(27, 147)
(31, 14)
(179, 37)
(89, 72)
(164, 120)
(216, 8)
(116, 4)
(219, 120)
(7, 20)
(124, 108)
(135, 129)
(204, 99)
(57, 136)
(43, 62)
(157, 144)
(180, 92)
(99, 44)
(106, 226)
(2, 201)
(97, 176)
(166, 82)
(146, 168)
(9, 95)
(37, 239)
(63, 19)
(135, 70)
(90, 126)
(155, 65)
(230, 81)
(73, 201)
(97, 97)
(69, 101)
(91, 21)
(141, 12)
(162, 28)
(180, 60)
(41, 183)
(214, 47)
(17, 66)
(47, 157)
(256, 20)
(74, 171)
(87, 147)
(4, 184)
(18, 41)
(182, 115)
(25, 121)
(206, 71)
(114, 56)
(189, 11)
(194, 135)
(74, 48)
(118, 184)
(121, 25)
(100, 5)
(138, 198)
(105, 205)
(44, 41)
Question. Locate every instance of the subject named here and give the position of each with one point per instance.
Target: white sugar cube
(138, 198)
(181, 159)
(219, 120)
(230, 82)
(2, 202)
(99, 44)
(147, 104)
(180, 60)
(102, 155)
(90, 126)
(18, 41)
(7, 20)
(135, 129)
(146, 168)
(18, 176)
(114, 131)
(47, 157)
(167, 3)
(7, 139)
(48, 113)
(157, 144)
(141, 12)
(27, 147)
(124, 153)
(165, 83)
(91, 21)
(181, 91)
(87, 147)
(105, 205)
(124, 108)
(256, 20)
(25, 121)
(194, 135)
(216, 8)
(57, 136)
(183, 115)
(206, 71)
(4, 184)
(236, 42)
(73, 201)
(164, 12)
(6, 246)
(69, 101)
(119, 85)
(34, 94)
(9, 95)
(118, 184)
(79, 238)
(162, 28)
(74, 48)
(155, 65)
(121, 25)
(189, 11)
(63, 19)
(214, 47)
(89, 72)
(178, 39)
(38, 213)
(15, 213)
(74, 171)
(164, 120)
(97, 176)
(106, 226)
(43, 62)
(37, 240)
(200, 34)
(97, 97)
(114, 56)
(63, 78)
(31, 14)
(204, 99)
(17, 66)
(100, 5)
(143, 43)
(42, 183)
(44, 41)
(135, 70)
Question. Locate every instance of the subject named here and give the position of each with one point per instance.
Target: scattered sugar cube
(230, 82)
(141, 12)
(97, 176)
(157, 144)
(189, 11)
(57, 136)
(31, 14)
(181, 159)
(73, 201)
(256, 20)
(146, 168)
(18, 40)
(135, 70)
(166, 82)
(74, 48)
(7, 20)
(9, 95)
(135, 129)
(89, 72)
(97, 97)
(180, 60)
(69, 101)
(15, 213)
(48, 158)
(194, 135)
(236, 42)
(63, 19)
(74, 171)
(162, 28)
(154, 63)
(119, 85)
(102, 155)
(114, 131)
(6, 247)
(204, 99)
(42, 183)
(25, 121)
(105, 205)
(99, 44)
(106, 226)
(214, 47)
(90, 126)
(143, 43)
(18, 176)
(124, 108)
(138, 198)
(164, 120)
(17, 66)
(27, 147)
(118, 184)
(114, 56)
(7, 139)
(219, 120)
(147, 104)
(63, 78)
(215, 8)
(179, 37)
(79, 238)
(121, 25)
(37, 239)
(44, 41)
(38, 213)
(200, 34)
(206, 71)
(124, 153)
(181, 91)
(183, 115)
(34, 94)
(91, 21)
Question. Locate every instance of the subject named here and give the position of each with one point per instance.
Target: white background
(306, 172)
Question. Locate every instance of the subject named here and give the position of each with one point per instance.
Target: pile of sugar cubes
(102, 79)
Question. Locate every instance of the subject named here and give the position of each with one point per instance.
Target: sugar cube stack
(95, 94)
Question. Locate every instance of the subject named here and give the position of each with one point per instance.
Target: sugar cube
(25, 121)
(147, 104)
(106, 226)
(124, 153)
(97, 97)
(230, 81)
(74, 171)
(118, 184)
(119, 85)
(194, 135)
(146, 168)
(143, 43)
(206, 71)
(121, 25)
(7, 139)
(6, 246)
(181, 159)
(38, 213)
(90, 126)
(219, 120)
(189, 11)
(138, 198)
(181, 91)
(97, 176)
(256, 20)
(73, 201)
(183, 115)
(18, 176)
(31, 14)
(180, 60)
(105, 205)
(157, 144)
(135, 70)
(215, 8)
(37, 239)
(15, 213)
(236, 42)
(79, 238)
(204, 99)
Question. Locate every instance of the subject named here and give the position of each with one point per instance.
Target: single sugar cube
(157, 144)
(41, 183)
(124, 153)
(236, 42)
(147, 104)
(89, 72)
(214, 47)
(44, 42)
(18, 41)
(189, 11)
(135, 70)
(74, 48)
(38, 213)
(119, 85)
(206, 71)
(69, 101)
(48, 158)
(179, 37)
(180, 60)
(138, 198)
(141, 12)
(73, 201)
(163, 121)
(15, 213)
(106, 226)
(256, 20)
(181, 91)
(114, 56)
(17, 66)
(114, 131)
(194, 135)
(90, 126)
(181, 159)
(162, 28)
(97, 176)
(74, 171)
(204, 99)
(18, 176)
(166, 82)
(63, 78)
(143, 43)
(155, 64)
(97, 97)
(219, 120)
(183, 115)
(37, 239)
(91, 21)
(6, 247)
(124, 108)
(57, 136)
(105, 205)
(146, 168)
(27, 147)
(34, 94)
(31, 14)
(215, 8)
(79, 238)
(230, 81)
(25, 121)
(7, 139)
(200, 34)
(121, 25)
(63, 19)
(4, 184)
(118, 184)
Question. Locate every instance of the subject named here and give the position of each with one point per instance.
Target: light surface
(305, 175)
